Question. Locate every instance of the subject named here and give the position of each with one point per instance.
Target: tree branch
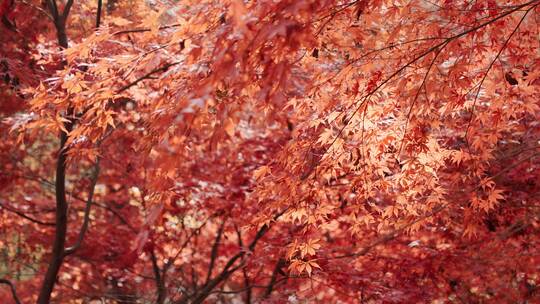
(159, 279)
(61, 221)
(98, 13)
(247, 283)
(23, 215)
(12, 288)
(422, 85)
(60, 188)
(171, 261)
(364, 99)
(88, 207)
(44, 12)
(227, 270)
(503, 47)
(67, 8)
(142, 30)
(280, 263)
(148, 75)
(53, 8)
(388, 237)
(214, 252)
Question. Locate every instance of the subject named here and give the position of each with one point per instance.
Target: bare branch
(53, 8)
(67, 8)
(23, 215)
(61, 220)
(247, 283)
(280, 263)
(88, 207)
(159, 279)
(229, 269)
(214, 252)
(171, 261)
(98, 13)
(12, 288)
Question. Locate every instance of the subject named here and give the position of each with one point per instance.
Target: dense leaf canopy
(270, 151)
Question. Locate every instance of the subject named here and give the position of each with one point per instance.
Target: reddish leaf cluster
(285, 151)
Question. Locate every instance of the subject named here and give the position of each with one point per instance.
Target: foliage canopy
(285, 151)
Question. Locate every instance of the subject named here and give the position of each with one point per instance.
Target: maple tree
(368, 151)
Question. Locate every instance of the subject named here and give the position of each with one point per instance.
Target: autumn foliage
(270, 151)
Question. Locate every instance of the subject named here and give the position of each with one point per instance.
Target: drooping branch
(503, 47)
(389, 236)
(12, 288)
(395, 233)
(366, 97)
(422, 86)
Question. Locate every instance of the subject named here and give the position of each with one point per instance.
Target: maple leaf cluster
(286, 151)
